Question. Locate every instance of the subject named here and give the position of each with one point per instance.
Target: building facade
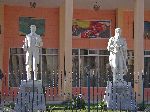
(73, 39)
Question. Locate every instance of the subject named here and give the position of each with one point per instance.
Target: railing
(83, 98)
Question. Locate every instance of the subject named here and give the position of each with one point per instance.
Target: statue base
(25, 100)
(120, 96)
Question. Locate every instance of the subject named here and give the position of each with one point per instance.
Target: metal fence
(88, 98)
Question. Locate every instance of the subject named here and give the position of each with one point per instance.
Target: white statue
(118, 55)
(32, 45)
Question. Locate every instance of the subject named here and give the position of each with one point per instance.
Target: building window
(16, 67)
(93, 60)
(129, 77)
(75, 67)
(147, 69)
(48, 67)
(97, 62)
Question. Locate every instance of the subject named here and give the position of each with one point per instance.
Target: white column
(1, 39)
(61, 50)
(65, 43)
(1, 34)
(138, 48)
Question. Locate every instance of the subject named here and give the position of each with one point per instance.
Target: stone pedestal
(25, 99)
(120, 96)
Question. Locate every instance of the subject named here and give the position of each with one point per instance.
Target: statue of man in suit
(32, 45)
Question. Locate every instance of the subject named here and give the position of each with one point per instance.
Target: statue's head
(33, 28)
(118, 31)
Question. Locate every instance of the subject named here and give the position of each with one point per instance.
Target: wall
(1, 34)
(11, 28)
(51, 38)
(128, 28)
(147, 41)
